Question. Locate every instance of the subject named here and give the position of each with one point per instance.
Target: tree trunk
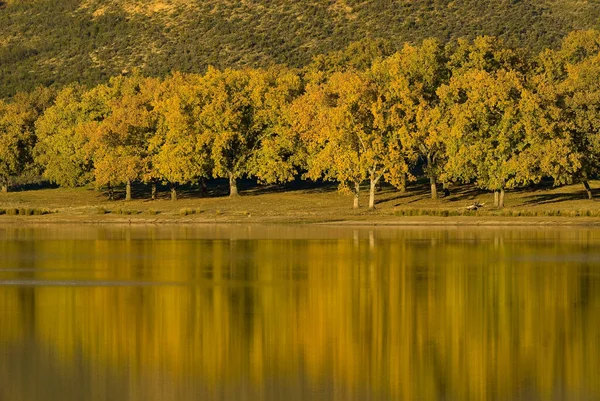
(203, 187)
(153, 191)
(501, 200)
(356, 193)
(372, 192)
(496, 198)
(4, 188)
(434, 194)
(588, 189)
(128, 190)
(233, 189)
(446, 190)
(403, 183)
(111, 192)
(432, 177)
(173, 192)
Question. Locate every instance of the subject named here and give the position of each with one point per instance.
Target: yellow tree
(575, 70)
(337, 122)
(62, 146)
(485, 104)
(486, 136)
(564, 111)
(178, 153)
(279, 154)
(17, 134)
(13, 145)
(120, 141)
(232, 120)
(410, 105)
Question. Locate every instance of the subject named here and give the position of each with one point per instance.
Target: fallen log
(475, 206)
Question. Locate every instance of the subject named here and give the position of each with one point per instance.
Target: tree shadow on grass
(307, 187)
(34, 186)
(545, 199)
(217, 188)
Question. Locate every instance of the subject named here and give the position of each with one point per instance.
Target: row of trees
(475, 111)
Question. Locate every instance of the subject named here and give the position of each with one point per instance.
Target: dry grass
(306, 205)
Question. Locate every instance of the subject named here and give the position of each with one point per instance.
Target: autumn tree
(357, 56)
(485, 103)
(345, 143)
(62, 138)
(233, 120)
(178, 152)
(573, 72)
(120, 141)
(17, 133)
(410, 105)
(280, 154)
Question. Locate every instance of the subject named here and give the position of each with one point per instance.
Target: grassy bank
(316, 204)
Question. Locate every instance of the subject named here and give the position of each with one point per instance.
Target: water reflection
(272, 313)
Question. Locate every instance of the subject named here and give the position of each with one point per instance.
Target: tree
(486, 136)
(357, 56)
(280, 153)
(409, 80)
(17, 134)
(120, 141)
(63, 140)
(583, 103)
(178, 152)
(13, 145)
(486, 103)
(573, 71)
(231, 120)
(345, 143)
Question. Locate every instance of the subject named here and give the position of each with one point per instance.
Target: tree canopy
(475, 111)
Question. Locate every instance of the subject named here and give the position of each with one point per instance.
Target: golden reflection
(349, 315)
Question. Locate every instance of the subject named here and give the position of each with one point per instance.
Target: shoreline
(377, 221)
(545, 207)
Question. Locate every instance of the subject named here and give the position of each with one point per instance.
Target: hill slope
(62, 41)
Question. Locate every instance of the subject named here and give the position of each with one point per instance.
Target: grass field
(301, 204)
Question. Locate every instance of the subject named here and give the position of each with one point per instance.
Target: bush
(127, 211)
(189, 211)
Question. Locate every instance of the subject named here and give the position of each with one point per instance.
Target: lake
(298, 313)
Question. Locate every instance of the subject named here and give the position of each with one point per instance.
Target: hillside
(62, 41)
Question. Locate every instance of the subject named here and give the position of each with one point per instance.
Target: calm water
(275, 313)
